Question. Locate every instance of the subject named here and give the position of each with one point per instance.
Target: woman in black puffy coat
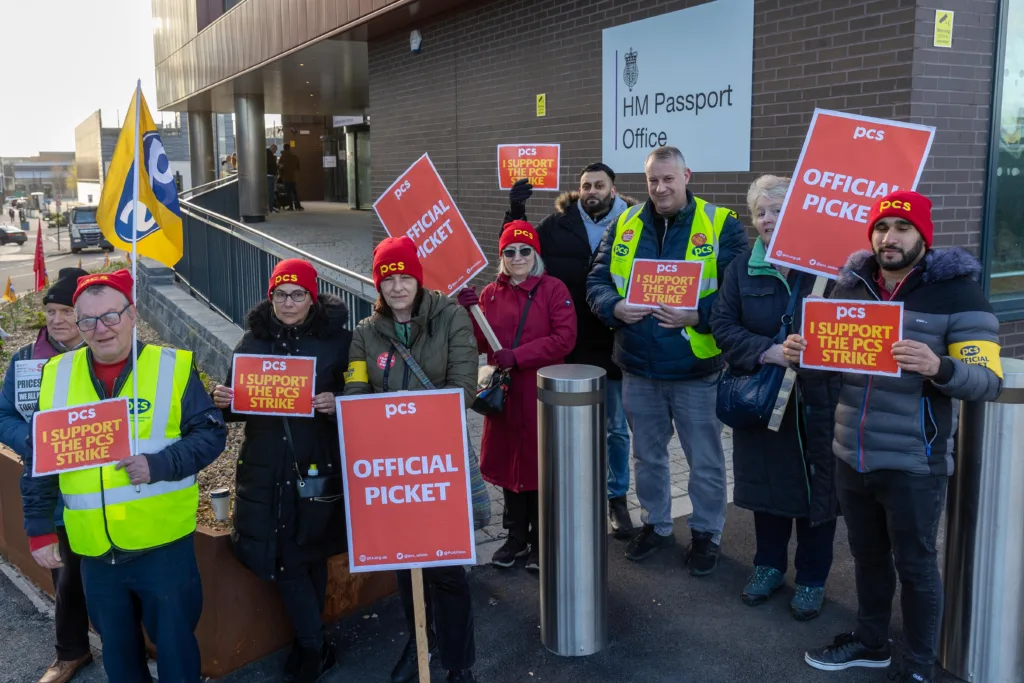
(785, 476)
(277, 534)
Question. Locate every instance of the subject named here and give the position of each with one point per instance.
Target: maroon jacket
(508, 453)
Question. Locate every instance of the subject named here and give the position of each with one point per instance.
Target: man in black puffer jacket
(569, 239)
(894, 435)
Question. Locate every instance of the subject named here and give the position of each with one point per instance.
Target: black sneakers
(848, 651)
(506, 555)
(618, 517)
(645, 543)
(701, 554)
(533, 559)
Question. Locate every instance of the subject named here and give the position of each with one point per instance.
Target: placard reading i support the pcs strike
(414, 484)
(851, 336)
(81, 437)
(273, 385)
(673, 283)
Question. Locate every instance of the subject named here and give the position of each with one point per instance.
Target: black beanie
(63, 290)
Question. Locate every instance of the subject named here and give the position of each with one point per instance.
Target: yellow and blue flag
(159, 225)
(9, 294)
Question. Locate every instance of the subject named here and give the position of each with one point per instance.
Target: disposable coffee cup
(220, 499)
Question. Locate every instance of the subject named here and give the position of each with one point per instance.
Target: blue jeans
(618, 441)
(652, 408)
(159, 589)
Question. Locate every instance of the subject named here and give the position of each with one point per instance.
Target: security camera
(415, 42)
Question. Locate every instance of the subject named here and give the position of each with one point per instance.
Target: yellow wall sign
(542, 105)
(943, 28)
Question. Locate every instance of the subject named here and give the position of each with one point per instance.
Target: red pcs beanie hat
(396, 256)
(294, 271)
(912, 207)
(519, 232)
(121, 280)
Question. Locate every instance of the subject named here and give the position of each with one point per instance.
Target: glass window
(85, 215)
(1007, 264)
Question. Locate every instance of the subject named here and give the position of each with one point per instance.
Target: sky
(64, 59)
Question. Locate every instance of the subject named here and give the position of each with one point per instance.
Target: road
(16, 260)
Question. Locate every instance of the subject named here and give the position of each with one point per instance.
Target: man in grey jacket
(894, 435)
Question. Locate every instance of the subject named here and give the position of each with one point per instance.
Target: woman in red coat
(523, 295)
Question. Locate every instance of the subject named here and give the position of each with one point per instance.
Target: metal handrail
(206, 187)
(366, 288)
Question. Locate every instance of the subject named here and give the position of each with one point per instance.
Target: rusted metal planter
(243, 619)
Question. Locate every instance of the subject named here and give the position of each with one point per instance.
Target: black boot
(292, 663)
(311, 665)
(464, 676)
(618, 517)
(407, 668)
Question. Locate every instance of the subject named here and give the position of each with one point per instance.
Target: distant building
(47, 172)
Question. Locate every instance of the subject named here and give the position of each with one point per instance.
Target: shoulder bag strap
(787, 318)
(411, 363)
(522, 321)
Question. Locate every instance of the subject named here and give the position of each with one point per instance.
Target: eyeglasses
(298, 296)
(108, 320)
(522, 251)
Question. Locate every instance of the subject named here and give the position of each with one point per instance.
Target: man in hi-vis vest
(132, 522)
(669, 360)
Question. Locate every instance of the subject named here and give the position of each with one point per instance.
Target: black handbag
(746, 401)
(493, 383)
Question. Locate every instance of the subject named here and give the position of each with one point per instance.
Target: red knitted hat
(908, 205)
(121, 280)
(519, 232)
(394, 256)
(294, 271)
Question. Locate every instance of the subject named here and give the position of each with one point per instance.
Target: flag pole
(136, 210)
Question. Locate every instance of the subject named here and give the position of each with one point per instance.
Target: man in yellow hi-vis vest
(132, 522)
(670, 363)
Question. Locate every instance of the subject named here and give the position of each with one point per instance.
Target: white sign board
(330, 161)
(682, 79)
(28, 375)
(341, 121)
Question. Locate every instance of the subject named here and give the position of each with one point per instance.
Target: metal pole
(981, 639)
(573, 468)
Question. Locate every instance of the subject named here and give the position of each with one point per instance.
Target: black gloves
(517, 196)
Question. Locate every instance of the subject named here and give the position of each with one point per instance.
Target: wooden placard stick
(420, 611)
(485, 327)
(789, 379)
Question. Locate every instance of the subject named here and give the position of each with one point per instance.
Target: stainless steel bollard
(573, 498)
(982, 640)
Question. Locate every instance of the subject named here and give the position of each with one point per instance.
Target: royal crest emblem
(631, 73)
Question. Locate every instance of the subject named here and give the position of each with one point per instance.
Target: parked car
(85, 231)
(10, 234)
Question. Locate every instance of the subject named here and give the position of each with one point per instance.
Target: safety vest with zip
(102, 508)
(702, 245)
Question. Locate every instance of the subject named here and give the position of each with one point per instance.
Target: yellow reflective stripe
(979, 352)
(356, 372)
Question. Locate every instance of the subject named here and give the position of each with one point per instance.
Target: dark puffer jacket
(908, 423)
(565, 248)
(272, 527)
(791, 472)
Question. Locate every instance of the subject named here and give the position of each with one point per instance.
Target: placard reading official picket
(538, 163)
(80, 438)
(419, 205)
(682, 79)
(852, 336)
(28, 375)
(673, 283)
(406, 472)
(273, 385)
(848, 162)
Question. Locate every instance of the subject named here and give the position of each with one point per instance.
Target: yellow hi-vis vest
(102, 508)
(705, 233)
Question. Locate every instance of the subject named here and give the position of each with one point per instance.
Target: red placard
(273, 385)
(848, 162)
(406, 472)
(419, 205)
(539, 163)
(80, 438)
(673, 283)
(852, 336)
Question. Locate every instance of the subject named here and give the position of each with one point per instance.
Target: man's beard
(595, 206)
(907, 257)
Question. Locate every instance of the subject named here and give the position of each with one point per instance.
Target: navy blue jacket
(644, 348)
(203, 436)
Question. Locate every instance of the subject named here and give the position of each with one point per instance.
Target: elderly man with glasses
(131, 522)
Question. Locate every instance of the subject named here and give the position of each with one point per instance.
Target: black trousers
(521, 517)
(449, 613)
(304, 593)
(892, 519)
(293, 194)
(71, 617)
(813, 546)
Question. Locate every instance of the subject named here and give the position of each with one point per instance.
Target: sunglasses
(522, 251)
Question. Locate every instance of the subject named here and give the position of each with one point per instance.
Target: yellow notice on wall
(542, 105)
(943, 28)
